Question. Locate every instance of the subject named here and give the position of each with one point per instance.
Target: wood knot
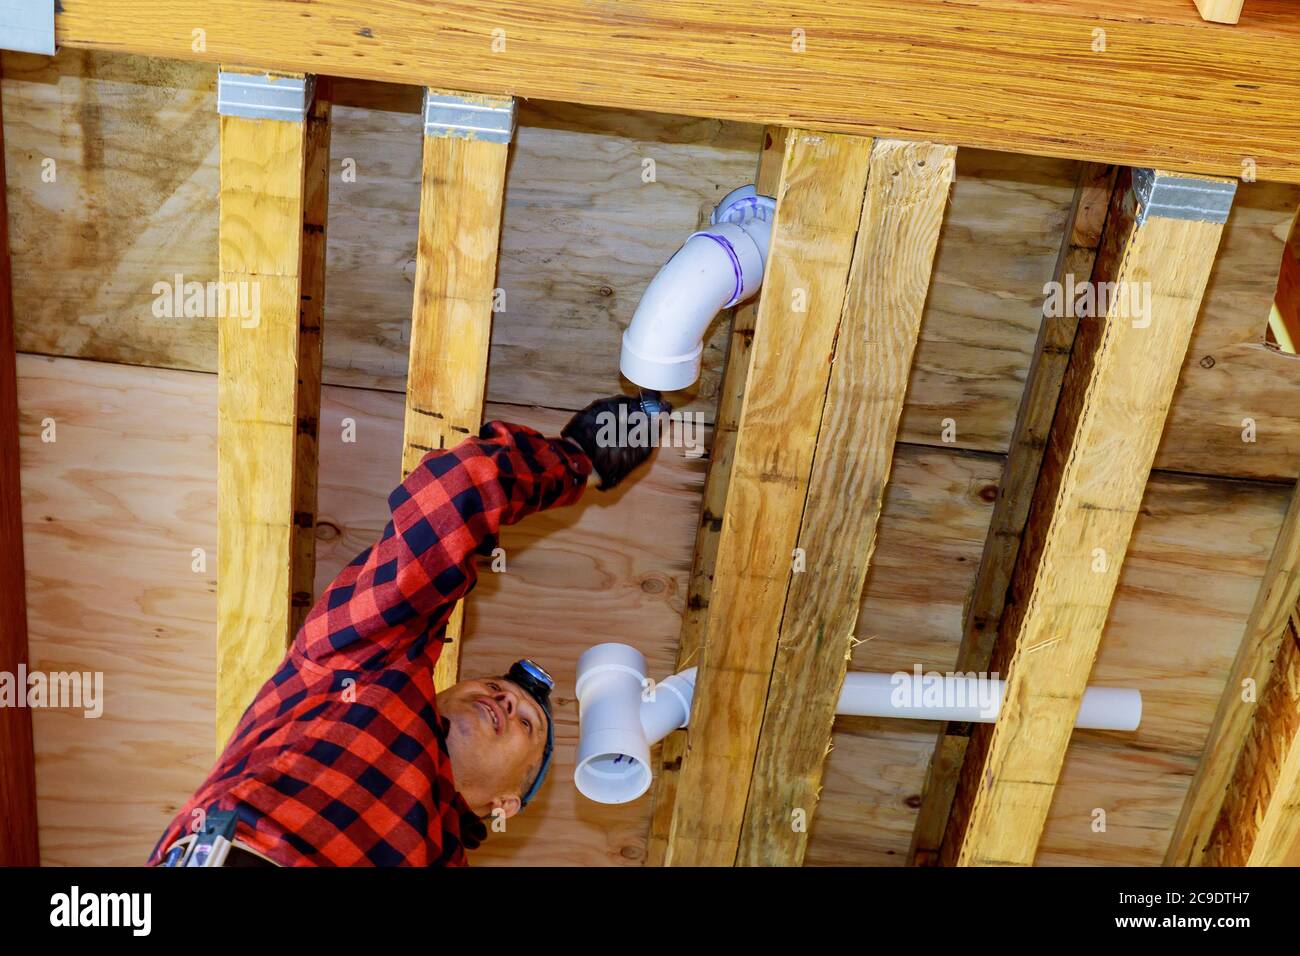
(655, 583)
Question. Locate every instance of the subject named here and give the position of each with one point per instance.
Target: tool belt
(214, 845)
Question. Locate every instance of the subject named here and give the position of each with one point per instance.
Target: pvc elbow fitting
(715, 269)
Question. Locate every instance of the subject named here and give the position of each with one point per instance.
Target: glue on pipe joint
(715, 269)
(622, 714)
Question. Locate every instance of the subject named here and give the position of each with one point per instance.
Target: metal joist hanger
(264, 95)
(469, 116)
(27, 26)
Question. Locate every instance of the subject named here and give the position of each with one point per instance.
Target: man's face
(496, 741)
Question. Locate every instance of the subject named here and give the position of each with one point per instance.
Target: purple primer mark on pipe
(735, 265)
(750, 202)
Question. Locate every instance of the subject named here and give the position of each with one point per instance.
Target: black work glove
(615, 434)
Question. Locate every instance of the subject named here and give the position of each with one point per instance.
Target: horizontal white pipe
(622, 715)
(967, 698)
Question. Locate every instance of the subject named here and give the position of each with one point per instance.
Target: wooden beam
(726, 422)
(462, 193)
(1114, 399)
(819, 204)
(1259, 824)
(18, 834)
(997, 72)
(316, 182)
(1220, 11)
(907, 191)
(984, 606)
(1235, 720)
(267, 402)
(1285, 318)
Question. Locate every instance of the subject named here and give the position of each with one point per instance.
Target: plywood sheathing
(135, 199)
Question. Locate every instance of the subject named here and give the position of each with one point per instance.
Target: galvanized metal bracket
(488, 118)
(1182, 197)
(264, 95)
(27, 26)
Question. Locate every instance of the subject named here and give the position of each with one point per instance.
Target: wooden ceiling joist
(1114, 399)
(1240, 723)
(18, 843)
(996, 71)
(820, 198)
(984, 607)
(726, 422)
(1259, 824)
(1285, 319)
(462, 193)
(856, 227)
(311, 319)
(907, 191)
(273, 202)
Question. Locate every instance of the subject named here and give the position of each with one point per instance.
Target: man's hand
(616, 434)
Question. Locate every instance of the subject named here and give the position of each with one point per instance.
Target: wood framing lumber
(316, 162)
(819, 204)
(997, 71)
(1155, 261)
(267, 405)
(1235, 721)
(1259, 824)
(731, 397)
(462, 193)
(1286, 305)
(907, 191)
(18, 834)
(1220, 11)
(984, 606)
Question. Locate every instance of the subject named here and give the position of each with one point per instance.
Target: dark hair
(612, 461)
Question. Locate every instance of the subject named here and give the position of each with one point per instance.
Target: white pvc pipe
(621, 714)
(666, 706)
(716, 268)
(613, 748)
(969, 698)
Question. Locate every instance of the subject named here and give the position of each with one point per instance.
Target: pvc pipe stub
(661, 373)
(607, 774)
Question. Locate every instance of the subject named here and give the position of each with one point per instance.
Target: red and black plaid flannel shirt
(341, 759)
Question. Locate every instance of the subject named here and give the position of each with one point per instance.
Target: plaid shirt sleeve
(449, 510)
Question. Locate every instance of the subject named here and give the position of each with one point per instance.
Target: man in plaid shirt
(346, 756)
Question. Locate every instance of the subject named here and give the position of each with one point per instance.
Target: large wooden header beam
(1158, 86)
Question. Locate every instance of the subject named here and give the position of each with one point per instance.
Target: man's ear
(509, 805)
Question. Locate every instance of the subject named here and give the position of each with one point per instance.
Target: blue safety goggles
(537, 684)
